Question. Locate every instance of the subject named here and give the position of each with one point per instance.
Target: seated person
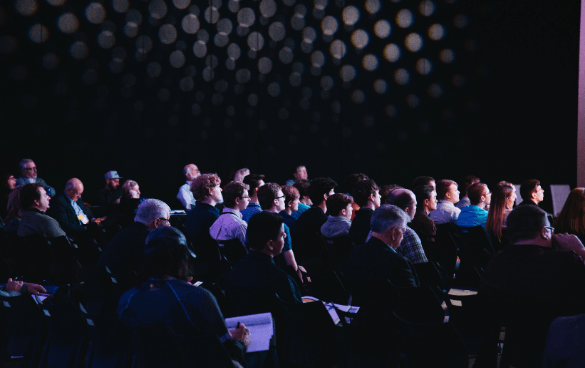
(291, 204)
(14, 211)
(426, 196)
(304, 200)
(255, 181)
(207, 193)
(531, 192)
(300, 173)
(424, 180)
(475, 214)
(28, 171)
(311, 220)
(465, 184)
(6, 187)
(349, 183)
(35, 202)
(340, 210)
(367, 195)
(166, 295)
(448, 195)
(410, 246)
(125, 211)
(191, 172)
(266, 237)
(230, 226)
(112, 193)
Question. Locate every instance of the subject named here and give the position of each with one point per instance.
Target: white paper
(261, 329)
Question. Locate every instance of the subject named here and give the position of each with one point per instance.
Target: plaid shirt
(411, 247)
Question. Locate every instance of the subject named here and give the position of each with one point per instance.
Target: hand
(242, 333)
(30, 288)
(569, 242)
(14, 285)
(35, 289)
(99, 220)
(300, 271)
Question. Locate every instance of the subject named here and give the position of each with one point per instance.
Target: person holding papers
(167, 295)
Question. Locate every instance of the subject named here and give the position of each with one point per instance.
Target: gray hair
(128, 184)
(150, 210)
(241, 174)
(387, 216)
(23, 163)
(403, 198)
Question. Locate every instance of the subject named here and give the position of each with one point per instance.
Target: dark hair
(422, 180)
(296, 169)
(401, 198)
(262, 227)
(466, 183)
(29, 194)
(443, 187)
(497, 214)
(572, 216)
(13, 207)
(232, 191)
(267, 194)
(319, 187)
(4, 187)
(253, 180)
(385, 190)
(423, 192)
(475, 192)
(362, 191)
(290, 193)
(351, 180)
(337, 202)
(166, 253)
(525, 223)
(202, 184)
(303, 187)
(527, 188)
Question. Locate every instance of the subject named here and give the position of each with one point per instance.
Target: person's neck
(33, 207)
(535, 201)
(322, 206)
(208, 201)
(289, 211)
(263, 251)
(306, 201)
(383, 238)
(254, 199)
(426, 210)
(480, 205)
(272, 209)
(369, 205)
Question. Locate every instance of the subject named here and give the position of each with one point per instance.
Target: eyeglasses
(552, 229)
(279, 197)
(30, 168)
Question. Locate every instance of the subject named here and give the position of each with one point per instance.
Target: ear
(237, 201)
(343, 212)
(289, 204)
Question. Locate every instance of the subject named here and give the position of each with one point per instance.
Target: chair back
(428, 275)
(153, 346)
(208, 261)
(312, 251)
(476, 249)
(38, 254)
(339, 248)
(101, 289)
(202, 351)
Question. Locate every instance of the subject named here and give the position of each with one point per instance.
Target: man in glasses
(28, 175)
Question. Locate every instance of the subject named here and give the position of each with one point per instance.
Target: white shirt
(446, 212)
(186, 196)
(229, 225)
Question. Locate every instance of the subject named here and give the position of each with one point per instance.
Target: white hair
(150, 210)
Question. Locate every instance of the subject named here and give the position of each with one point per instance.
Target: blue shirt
(252, 209)
(288, 220)
(302, 208)
(471, 216)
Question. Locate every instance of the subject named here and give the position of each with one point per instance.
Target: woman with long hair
(6, 187)
(572, 217)
(503, 197)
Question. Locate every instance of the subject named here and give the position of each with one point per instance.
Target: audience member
(168, 297)
(367, 195)
(531, 192)
(300, 173)
(125, 251)
(70, 211)
(266, 238)
(426, 197)
(230, 225)
(502, 196)
(385, 190)
(510, 200)
(191, 172)
(465, 184)
(305, 201)
(207, 193)
(339, 207)
(410, 246)
(349, 183)
(112, 193)
(255, 181)
(129, 202)
(310, 222)
(14, 211)
(7, 186)
(572, 217)
(241, 174)
(475, 214)
(448, 196)
(34, 201)
(424, 180)
(378, 259)
(28, 175)
(291, 204)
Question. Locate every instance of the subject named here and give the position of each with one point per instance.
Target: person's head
(131, 189)
(153, 213)
(13, 207)
(339, 204)
(112, 180)
(447, 190)
(191, 172)
(166, 253)
(466, 183)
(270, 197)
(366, 192)
(74, 189)
(34, 196)
(388, 223)
(235, 195)
(255, 181)
(499, 203)
(351, 180)
(529, 224)
(241, 174)
(531, 190)
(426, 197)
(403, 199)
(320, 189)
(479, 194)
(266, 233)
(28, 169)
(206, 187)
(8, 182)
(572, 216)
(385, 190)
(303, 187)
(300, 173)
(424, 180)
(291, 197)
(510, 195)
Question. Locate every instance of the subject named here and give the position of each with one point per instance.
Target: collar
(378, 242)
(446, 202)
(338, 219)
(231, 210)
(32, 209)
(69, 199)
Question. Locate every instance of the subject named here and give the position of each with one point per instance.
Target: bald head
(403, 199)
(191, 171)
(74, 189)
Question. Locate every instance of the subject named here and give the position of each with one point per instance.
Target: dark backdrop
(392, 89)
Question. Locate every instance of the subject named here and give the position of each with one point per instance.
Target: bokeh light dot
(347, 73)
(190, 24)
(447, 56)
(380, 86)
(327, 83)
(243, 76)
(295, 79)
(38, 33)
(338, 49)
(382, 28)
(373, 6)
(370, 62)
(143, 44)
(246, 17)
(413, 42)
(401, 76)
(268, 8)
(234, 51)
(57, 2)
(225, 26)
(297, 22)
(309, 34)
(435, 90)
(360, 38)
(212, 15)
(106, 39)
(277, 31)
(318, 59)
(426, 8)
(255, 41)
(264, 65)
(221, 40)
(158, 9)
(78, 50)
(329, 25)
(68, 23)
(404, 18)
(424, 66)
(177, 59)
(131, 29)
(274, 89)
(153, 69)
(286, 55)
(167, 34)
(181, 4)
(350, 15)
(26, 7)
(436, 32)
(200, 49)
(95, 13)
(121, 6)
(358, 96)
